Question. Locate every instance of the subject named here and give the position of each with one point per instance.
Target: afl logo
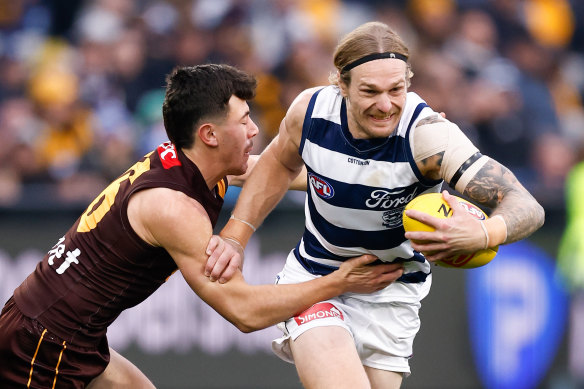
(321, 187)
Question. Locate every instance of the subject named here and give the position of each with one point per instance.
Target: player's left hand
(225, 257)
(459, 234)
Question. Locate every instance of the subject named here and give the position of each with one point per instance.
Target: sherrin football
(433, 204)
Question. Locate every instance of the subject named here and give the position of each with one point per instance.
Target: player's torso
(101, 267)
(357, 189)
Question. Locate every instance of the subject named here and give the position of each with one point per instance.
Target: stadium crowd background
(81, 82)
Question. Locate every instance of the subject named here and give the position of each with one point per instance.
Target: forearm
(261, 193)
(522, 215)
(254, 307)
(496, 187)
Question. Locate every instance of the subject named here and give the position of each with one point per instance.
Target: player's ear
(206, 133)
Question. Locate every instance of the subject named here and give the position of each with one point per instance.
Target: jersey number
(93, 214)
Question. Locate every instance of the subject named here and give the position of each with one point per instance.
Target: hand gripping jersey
(101, 266)
(357, 190)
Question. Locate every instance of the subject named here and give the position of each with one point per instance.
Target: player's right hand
(360, 277)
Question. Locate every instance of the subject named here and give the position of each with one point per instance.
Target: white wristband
(486, 234)
(234, 241)
(244, 222)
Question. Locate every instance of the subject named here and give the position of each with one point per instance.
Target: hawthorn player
(154, 219)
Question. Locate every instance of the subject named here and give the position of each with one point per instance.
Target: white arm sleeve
(444, 136)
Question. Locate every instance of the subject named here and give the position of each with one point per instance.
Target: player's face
(237, 132)
(376, 97)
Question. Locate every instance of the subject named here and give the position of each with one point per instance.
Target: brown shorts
(32, 357)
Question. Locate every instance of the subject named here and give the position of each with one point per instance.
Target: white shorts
(383, 331)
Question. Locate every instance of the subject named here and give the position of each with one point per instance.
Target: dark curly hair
(197, 93)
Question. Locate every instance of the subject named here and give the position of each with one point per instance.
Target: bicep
(182, 227)
(282, 154)
(285, 147)
(300, 182)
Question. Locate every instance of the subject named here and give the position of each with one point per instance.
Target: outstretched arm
(183, 229)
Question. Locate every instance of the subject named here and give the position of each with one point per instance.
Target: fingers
(388, 277)
(452, 202)
(221, 264)
(422, 237)
(214, 251)
(224, 259)
(362, 260)
(423, 217)
(429, 246)
(382, 276)
(229, 272)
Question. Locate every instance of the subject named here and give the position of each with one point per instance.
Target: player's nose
(383, 102)
(253, 129)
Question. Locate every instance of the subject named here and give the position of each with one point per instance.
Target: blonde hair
(368, 38)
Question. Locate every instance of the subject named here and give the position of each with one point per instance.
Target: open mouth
(247, 151)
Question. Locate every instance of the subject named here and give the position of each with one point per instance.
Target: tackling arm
(183, 229)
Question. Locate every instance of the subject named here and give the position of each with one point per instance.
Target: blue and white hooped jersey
(357, 190)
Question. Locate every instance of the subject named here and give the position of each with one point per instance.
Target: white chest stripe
(337, 166)
(354, 219)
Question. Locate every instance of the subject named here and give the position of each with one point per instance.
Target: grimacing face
(375, 97)
(235, 134)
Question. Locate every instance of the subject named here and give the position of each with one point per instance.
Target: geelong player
(369, 147)
(154, 219)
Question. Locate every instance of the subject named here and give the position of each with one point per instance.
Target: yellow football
(433, 204)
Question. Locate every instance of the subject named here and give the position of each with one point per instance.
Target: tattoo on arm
(430, 166)
(496, 187)
(430, 120)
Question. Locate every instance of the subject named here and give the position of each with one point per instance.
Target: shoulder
(297, 110)
(434, 118)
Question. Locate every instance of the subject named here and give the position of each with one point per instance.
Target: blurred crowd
(82, 82)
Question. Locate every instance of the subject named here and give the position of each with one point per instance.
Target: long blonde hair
(368, 38)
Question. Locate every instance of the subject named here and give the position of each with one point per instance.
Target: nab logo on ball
(321, 187)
